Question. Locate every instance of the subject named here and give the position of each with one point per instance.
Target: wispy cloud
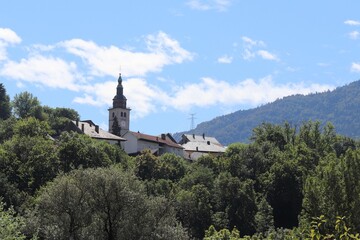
(225, 59)
(142, 97)
(354, 35)
(41, 68)
(46, 71)
(145, 99)
(99, 62)
(210, 92)
(253, 48)
(102, 60)
(355, 67)
(352, 22)
(204, 5)
(267, 55)
(7, 37)
(248, 42)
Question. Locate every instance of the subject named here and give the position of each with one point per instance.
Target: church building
(119, 124)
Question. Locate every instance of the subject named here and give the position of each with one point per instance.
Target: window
(113, 114)
(122, 114)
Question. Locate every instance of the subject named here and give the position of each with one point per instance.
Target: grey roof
(201, 138)
(94, 131)
(201, 143)
(203, 147)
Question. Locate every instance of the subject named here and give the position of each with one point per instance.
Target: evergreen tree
(5, 109)
(115, 128)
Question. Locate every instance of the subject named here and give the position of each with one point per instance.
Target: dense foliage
(289, 182)
(340, 107)
(5, 107)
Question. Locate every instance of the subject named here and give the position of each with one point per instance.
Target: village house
(158, 145)
(94, 131)
(196, 146)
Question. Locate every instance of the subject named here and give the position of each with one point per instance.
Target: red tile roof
(156, 139)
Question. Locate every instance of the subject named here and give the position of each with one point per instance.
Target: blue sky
(207, 57)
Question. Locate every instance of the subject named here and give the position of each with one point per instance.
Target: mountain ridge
(340, 106)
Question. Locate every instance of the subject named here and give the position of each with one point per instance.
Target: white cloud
(42, 69)
(248, 40)
(47, 71)
(251, 50)
(210, 92)
(354, 35)
(267, 55)
(355, 67)
(142, 97)
(145, 99)
(7, 36)
(225, 59)
(204, 5)
(352, 22)
(248, 54)
(162, 44)
(106, 60)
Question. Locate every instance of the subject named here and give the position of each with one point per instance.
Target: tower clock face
(123, 123)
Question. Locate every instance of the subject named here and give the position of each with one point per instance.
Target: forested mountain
(341, 107)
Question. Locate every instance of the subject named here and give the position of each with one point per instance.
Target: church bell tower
(119, 114)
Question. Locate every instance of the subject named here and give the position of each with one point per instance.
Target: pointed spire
(119, 99)
(120, 79)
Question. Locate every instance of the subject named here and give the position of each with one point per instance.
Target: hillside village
(190, 147)
(277, 185)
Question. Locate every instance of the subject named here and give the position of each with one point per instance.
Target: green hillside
(341, 107)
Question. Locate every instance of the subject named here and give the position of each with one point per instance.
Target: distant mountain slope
(341, 107)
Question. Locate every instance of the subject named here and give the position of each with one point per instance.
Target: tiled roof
(157, 139)
(95, 131)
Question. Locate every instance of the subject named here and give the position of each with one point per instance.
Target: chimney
(197, 149)
(163, 136)
(77, 122)
(82, 127)
(193, 136)
(204, 136)
(208, 142)
(97, 128)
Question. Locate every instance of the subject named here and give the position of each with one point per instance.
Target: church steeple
(119, 101)
(119, 114)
